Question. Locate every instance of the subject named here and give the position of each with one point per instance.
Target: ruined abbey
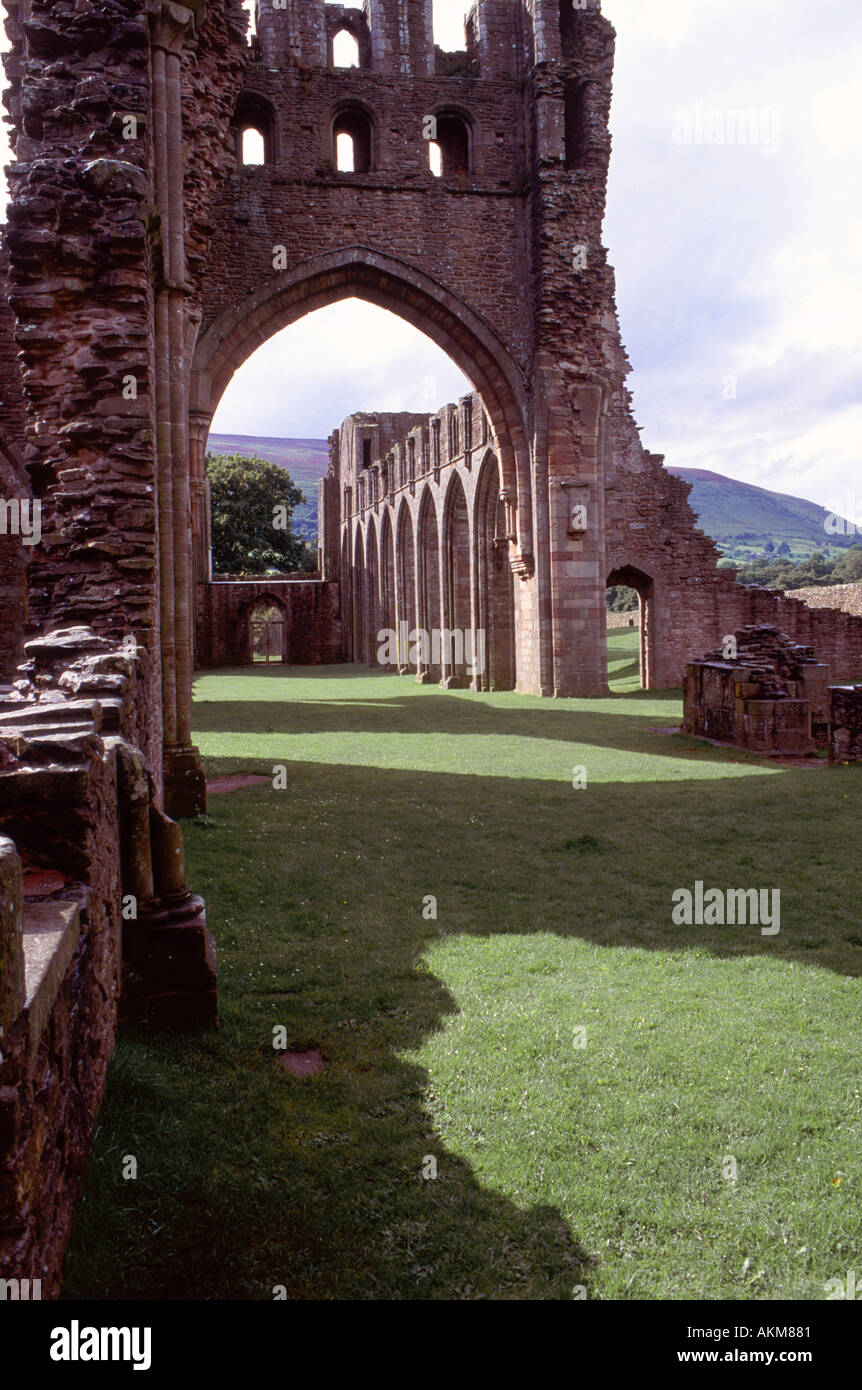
(144, 262)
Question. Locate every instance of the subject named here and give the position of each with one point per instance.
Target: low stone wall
(847, 597)
(834, 635)
(616, 620)
(312, 631)
(95, 919)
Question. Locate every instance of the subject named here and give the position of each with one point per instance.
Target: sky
(738, 264)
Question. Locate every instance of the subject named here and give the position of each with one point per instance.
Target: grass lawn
(611, 1101)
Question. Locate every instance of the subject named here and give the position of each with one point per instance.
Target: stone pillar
(402, 37)
(169, 967)
(185, 787)
(199, 428)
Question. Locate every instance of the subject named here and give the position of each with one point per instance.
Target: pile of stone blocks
(770, 696)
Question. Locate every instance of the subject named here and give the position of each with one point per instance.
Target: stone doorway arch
(267, 631)
(644, 587)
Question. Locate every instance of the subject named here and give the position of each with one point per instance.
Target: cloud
(735, 262)
(349, 356)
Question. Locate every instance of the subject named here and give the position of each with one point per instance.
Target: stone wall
(94, 916)
(845, 741)
(81, 269)
(312, 629)
(14, 554)
(847, 597)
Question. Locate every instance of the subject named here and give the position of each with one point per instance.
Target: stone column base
(169, 966)
(185, 782)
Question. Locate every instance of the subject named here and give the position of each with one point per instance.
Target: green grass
(454, 1037)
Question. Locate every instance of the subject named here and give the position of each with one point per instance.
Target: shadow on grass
(250, 1179)
(455, 715)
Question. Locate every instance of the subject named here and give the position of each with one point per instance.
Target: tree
(784, 548)
(849, 568)
(252, 503)
(621, 599)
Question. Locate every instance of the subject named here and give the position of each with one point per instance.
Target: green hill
(306, 460)
(743, 520)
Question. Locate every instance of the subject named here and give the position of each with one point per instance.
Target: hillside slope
(742, 518)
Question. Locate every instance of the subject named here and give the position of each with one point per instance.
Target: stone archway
(428, 597)
(456, 588)
(644, 587)
(405, 586)
(387, 574)
(360, 605)
(266, 630)
(356, 271)
(494, 597)
(372, 590)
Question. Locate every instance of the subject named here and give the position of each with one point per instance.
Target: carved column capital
(172, 23)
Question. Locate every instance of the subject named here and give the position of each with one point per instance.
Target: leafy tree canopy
(621, 599)
(252, 510)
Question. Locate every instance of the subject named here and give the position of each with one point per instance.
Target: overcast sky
(739, 266)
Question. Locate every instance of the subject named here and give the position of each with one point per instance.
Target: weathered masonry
(145, 260)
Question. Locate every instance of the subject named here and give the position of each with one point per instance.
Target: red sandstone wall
(313, 627)
(81, 270)
(49, 1096)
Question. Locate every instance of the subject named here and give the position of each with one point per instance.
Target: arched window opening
(266, 623)
(352, 135)
(345, 50)
(253, 146)
(575, 124)
(345, 157)
(454, 445)
(449, 154)
(253, 127)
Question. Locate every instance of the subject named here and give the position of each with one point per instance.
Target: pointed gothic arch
(357, 271)
(428, 587)
(494, 591)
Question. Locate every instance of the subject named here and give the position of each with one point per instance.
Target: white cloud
(349, 356)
